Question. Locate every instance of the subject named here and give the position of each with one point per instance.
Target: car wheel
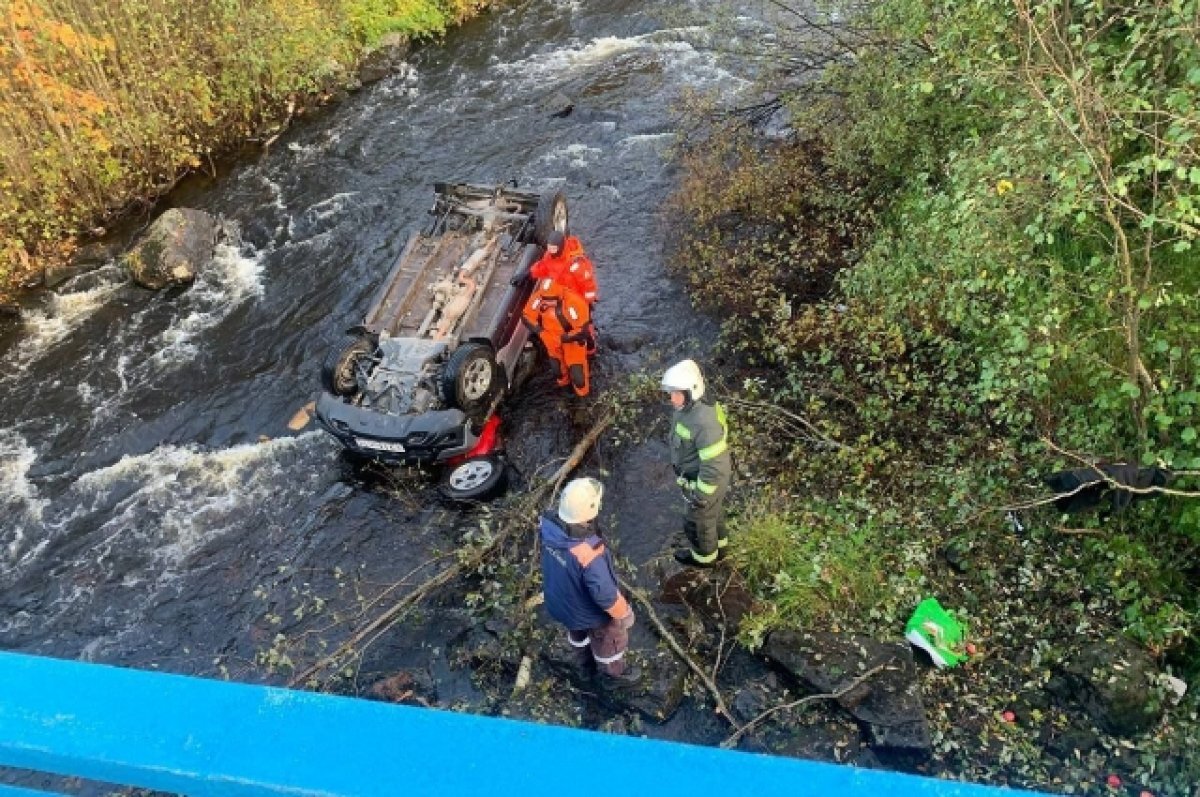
(339, 372)
(551, 215)
(475, 479)
(469, 381)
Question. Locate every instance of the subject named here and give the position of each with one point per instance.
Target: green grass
(823, 564)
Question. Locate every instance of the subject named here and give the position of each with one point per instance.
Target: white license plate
(379, 445)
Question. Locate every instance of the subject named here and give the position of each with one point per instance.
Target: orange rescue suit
(571, 267)
(561, 319)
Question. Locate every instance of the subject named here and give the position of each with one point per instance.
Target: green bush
(107, 103)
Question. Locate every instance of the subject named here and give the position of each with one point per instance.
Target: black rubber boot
(684, 557)
(631, 674)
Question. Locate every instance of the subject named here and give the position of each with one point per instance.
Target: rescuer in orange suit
(562, 320)
(566, 262)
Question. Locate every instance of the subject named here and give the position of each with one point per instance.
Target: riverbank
(952, 302)
(105, 107)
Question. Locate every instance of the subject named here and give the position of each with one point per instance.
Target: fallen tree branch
(733, 740)
(648, 608)
(471, 560)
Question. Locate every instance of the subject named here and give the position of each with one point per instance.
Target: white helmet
(684, 376)
(580, 501)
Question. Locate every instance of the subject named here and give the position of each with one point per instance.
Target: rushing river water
(155, 509)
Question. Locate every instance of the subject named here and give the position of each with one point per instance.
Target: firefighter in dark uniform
(580, 583)
(700, 457)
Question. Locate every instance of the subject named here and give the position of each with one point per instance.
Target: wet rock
(86, 258)
(9, 312)
(482, 644)
(719, 595)
(558, 105)
(1068, 742)
(1115, 682)
(750, 701)
(411, 687)
(888, 705)
(178, 244)
(656, 695)
(383, 59)
(97, 253)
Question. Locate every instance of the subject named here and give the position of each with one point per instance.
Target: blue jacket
(578, 579)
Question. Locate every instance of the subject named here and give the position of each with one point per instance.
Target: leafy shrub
(107, 103)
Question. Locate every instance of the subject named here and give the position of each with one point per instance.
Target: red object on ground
(1008, 716)
(489, 441)
(1146, 794)
(970, 649)
(1113, 782)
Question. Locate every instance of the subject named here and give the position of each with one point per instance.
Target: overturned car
(442, 341)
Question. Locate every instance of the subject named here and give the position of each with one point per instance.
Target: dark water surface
(154, 509)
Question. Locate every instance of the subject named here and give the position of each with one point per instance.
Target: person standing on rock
(580, 583)
(700, 457)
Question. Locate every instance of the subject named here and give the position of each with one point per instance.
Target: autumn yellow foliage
(105, 103)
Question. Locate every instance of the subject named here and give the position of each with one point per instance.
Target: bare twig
(749, 726)
(648, 608)
(724, 623)
(800, 419)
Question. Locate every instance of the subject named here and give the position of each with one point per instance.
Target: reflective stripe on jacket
(578, 578)
(700, 447)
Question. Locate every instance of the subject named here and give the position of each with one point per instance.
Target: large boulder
(178, 244)
(888, 704)
(1116, 683)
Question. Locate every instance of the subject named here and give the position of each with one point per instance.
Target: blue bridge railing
(201, 737)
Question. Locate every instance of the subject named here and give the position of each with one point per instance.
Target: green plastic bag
(935, 631)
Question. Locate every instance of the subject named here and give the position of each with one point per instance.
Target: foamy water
(169, 502)
(575, 155)
(232, 278)
(20, 504)
(148, 515)
(694, 67)
(65, 312)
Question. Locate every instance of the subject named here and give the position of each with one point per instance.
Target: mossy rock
(176, 247)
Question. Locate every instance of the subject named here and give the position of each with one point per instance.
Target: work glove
(627, 621)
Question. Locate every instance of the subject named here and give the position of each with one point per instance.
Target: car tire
(338, 372)
(474, 479)
(550, 215)
(471, 378)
